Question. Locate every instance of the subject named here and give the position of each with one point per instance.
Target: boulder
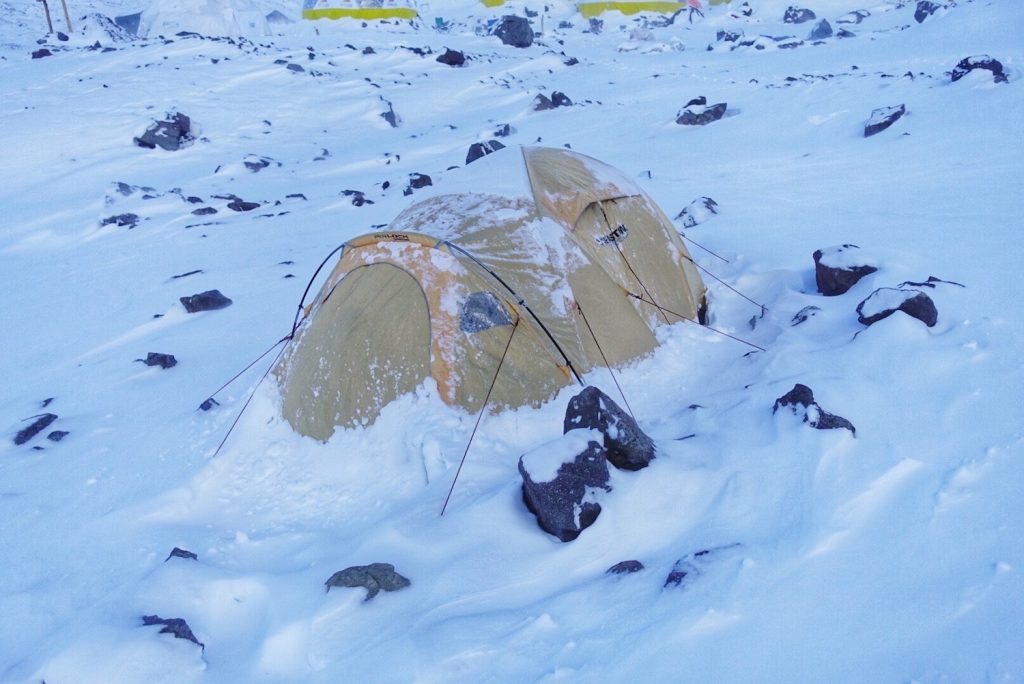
(698, 211)
(627, 446)
(205, 301)
(821, 31)
(925, 8)
(698, 114)
(882, 118)
(797, 15)
(515, 31)
(452, 58)
(40, 53)
(800, 401)
(562, 481)
(157, 359)
(416, 182)
(969, 64)
(558, 99)
(373, 577)
(886, 301)
(358, 197)
(854, 17)
(181, 553)
(127, 220)
(837, 269)
(40, 423)
(627, 567)
(239, 204)
(176, 626)
(172, 134)
(481, 149)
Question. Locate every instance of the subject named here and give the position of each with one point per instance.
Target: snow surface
(895, 556)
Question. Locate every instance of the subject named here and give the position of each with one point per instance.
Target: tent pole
(46, 10)
(67, 17)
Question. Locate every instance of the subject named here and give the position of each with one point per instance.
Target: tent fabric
(358, 9)
(569, 268)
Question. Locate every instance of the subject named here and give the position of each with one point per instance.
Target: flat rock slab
(886, 301)
(175, 626)
(375, 577)
(205, 301)
(38, 425)
(882, 118)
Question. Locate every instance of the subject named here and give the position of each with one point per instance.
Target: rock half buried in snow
(821, 31)
(699, 114)
(176, 626)
(452, 58)
(558, 99)
(628, 447)
(481, 149)
(800, 399)
(38, 425)
(515, 31)
(925, 9)
(373, 577)
(798, 15)
(627, 567)
(837, 269)
(698, 211)
(562, 482)
(205, 301)
(171, 135)
(158, 359)
(882, 118)
(886, 301)
(969, 64)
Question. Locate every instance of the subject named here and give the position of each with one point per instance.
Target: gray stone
(833, 272)
(40, 423)
(205, 301)
(515, 31)
(797, 15)
(628, 447)
(170, 135)
(969, 64)
(373, 577)
(158, 359)
(481, 149)
(452, 58)
(886, 301)
(821, 31)
(625, 568)
(882, 118)
(925, 9)
(175, 626)
(800, 401)
(564, 506)
(700, 115)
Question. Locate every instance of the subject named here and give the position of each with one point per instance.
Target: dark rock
(62, 37)
(625, 568)
(925, 8)
(481, 149)
(699, 100)
(558, 99)
(257, 164)
(886, 301)
(700, 115)
(698, 211)
(804, 314)
(854, 17)
(843, 33)
(204, 211)
(157, 359)
(968, 64)
(452, 58)
(680, 571)
(882, 118)
(176, 626)
(129, 23)
(205, 301)
(627, 446)
(564, 506)
(796, 15)
(57, 435)
(121, 221)
(40, 423)
(358, 197)
(931, 282)
(297, 68)
(169, 135)
(208, 404)
(515, 31)
(372, 577)
(391, 116)
(572, 61)
(836, 270)
(503, 131)
(800, 399)
(46, 402)
(821, 31)
(40, 53)
(728, 36)
(239, 204)
(419, 180)
(181, 553)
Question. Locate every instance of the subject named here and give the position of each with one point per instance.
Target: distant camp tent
(207, 17)
(597, 7)
(358, 9)
(566, 264)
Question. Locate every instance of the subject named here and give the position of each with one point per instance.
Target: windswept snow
(771, 551)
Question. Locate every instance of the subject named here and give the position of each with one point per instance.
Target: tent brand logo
(392, 237)
(617, 235)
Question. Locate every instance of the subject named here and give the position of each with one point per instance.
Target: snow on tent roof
(207, 17)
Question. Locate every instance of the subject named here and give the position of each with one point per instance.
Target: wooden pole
(67, 17)
(46, 9)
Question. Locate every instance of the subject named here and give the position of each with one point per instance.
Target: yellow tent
(358, 9)
(597, 7)
(565, 265)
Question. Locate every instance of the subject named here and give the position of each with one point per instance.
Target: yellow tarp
(594, 9)
(364, 13)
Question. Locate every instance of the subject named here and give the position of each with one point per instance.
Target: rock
(170, 135)
(297, 68)
(800, 399)
(372, 577)
(503, 131)
(698, 211)
(728, 36)
(129, 23)
(796, 15)
(391, 116)
(40, 423)
(680, 571)
(419, 180)
(358, 197)
(625, 568)
(239, 204)
(854, 17)
(452, 58)
(558, 99)
(699, 114)
(257, 164)
(57, 435)
(480, 149)
(837, 269)
(157, 359)
(181, 553)
(208, 404)
(628, 447)
(886, 301)
(205, 301)
(176, 626)
(561, 482)
(204, 211)
(882, 118)
(925, 8)
(515, 31)
(821, 31)
(968, 64)
(40, 53)
(804, 314)
(121, 221)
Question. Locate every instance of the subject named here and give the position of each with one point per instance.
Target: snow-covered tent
(597, 7)
(207, 17)
(358, 9)
(563, 264)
